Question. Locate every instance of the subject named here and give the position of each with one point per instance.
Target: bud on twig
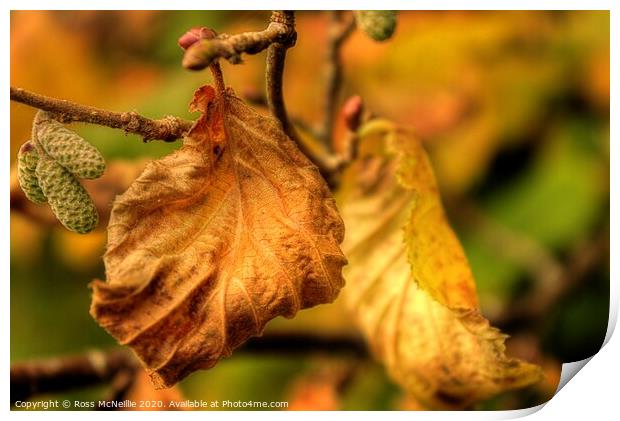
(194, 35)
(352, 112)
(198, 55)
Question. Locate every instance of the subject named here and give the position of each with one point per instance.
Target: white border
(592, 393)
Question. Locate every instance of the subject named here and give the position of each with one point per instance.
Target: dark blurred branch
(553, 279)
(304, 343)
(585, 257)
(120, 385)
(19, 203)
(64, 373)
(339, 30)
(167, 129)
(523, 250)
(117, 366)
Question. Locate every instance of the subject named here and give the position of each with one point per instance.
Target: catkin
(70, 150)
(68, 199)
(27, 159)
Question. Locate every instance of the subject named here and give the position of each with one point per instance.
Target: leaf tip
(201, 99)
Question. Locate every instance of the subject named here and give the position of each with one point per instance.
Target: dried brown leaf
(216, 239)
(409, 283)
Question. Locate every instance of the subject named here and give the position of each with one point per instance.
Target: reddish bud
(26, 147)
(352, 112)
(194, 35)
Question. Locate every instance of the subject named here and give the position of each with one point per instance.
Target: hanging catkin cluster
(48, 168)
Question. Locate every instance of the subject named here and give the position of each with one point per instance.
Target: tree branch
(167, 129)
(120, 385)
(339, 31)
(230, 47)
(276, 55)
(303, 343)
(63, 373)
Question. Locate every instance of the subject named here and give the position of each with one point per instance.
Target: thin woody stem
(167, 129)
(218, 78)
(276, 56)
(339, 31)
(275, 99)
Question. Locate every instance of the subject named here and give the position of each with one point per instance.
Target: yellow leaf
(213, 241)
(409, 283)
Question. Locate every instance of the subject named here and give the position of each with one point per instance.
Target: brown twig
(167, 129)
(230, 47)
(339, 31)
(218, 77)
(63, 373)
(276, 55)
